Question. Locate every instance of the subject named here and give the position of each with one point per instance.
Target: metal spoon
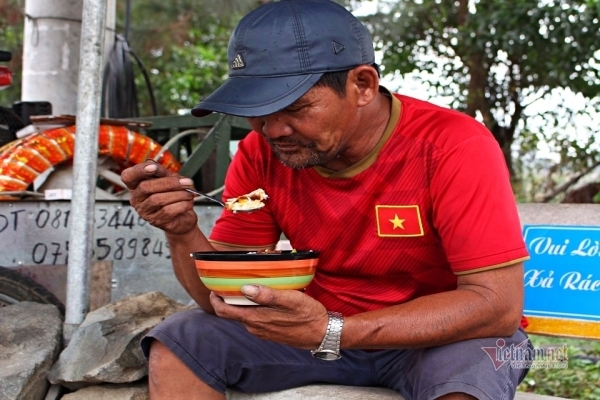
(194, 191)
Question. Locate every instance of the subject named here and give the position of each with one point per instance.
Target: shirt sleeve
(247, 173)
(475, 211)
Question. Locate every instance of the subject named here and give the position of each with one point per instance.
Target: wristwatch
(329, 350)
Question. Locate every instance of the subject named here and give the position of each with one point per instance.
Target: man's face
(312, 131)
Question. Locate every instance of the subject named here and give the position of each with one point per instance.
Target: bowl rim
(284, 255)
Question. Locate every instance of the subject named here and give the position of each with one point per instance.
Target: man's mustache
(288, 142)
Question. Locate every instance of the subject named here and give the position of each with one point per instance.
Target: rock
(54, 393)
(133, 391)
(105, 347)
(30, 340)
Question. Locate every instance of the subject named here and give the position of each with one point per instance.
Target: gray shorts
(224, 355)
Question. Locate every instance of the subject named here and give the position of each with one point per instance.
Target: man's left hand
(285, 316)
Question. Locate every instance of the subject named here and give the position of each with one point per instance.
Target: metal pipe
(51, 51)
(84, 164)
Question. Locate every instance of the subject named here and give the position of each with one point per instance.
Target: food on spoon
(247, 202)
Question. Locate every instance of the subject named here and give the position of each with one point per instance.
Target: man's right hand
(158, 196)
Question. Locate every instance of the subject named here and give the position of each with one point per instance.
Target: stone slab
(338, 392)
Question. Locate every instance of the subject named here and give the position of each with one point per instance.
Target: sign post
(84, 164)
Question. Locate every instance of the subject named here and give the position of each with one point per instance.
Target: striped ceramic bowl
(225, 272)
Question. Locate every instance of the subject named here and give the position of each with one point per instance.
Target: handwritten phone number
(104, 249)
(118, 219)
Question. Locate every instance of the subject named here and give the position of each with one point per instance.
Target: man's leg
(480, 368)
(170, 379)
(208, 351)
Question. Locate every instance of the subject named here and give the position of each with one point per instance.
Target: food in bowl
(225, 272)
(247, 202)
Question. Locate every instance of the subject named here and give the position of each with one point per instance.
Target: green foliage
(183, 45)
(518, 44)
(182, 75)
(11, 39)
(496, 58)
(581, 380)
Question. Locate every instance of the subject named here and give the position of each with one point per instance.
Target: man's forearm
(476, 309)
(420, 323)
(181, 246)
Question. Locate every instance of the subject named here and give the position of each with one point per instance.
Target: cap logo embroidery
(337, 47)
(238, 62)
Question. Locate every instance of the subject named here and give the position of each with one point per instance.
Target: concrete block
(338, 392)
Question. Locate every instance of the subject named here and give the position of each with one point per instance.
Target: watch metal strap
(330, 346)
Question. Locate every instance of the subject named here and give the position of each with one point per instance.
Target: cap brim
(255, 96)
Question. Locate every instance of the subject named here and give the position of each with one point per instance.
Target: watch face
(327, 355)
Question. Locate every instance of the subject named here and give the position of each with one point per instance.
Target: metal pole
(84, 163)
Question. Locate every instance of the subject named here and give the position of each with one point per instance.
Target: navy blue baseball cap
(280, 50)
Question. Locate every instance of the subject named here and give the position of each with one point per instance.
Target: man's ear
(364, 81)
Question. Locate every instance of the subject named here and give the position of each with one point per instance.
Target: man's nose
(274, 126)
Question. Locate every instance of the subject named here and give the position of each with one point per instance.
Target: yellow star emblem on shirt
(398, 223)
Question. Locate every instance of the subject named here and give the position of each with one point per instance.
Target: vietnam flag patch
(398, 221)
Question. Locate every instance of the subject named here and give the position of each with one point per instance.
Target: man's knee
(161, 361)
(170, 378)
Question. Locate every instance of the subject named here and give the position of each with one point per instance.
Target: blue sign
(562, 278)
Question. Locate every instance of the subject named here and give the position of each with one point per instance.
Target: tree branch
(544, 93)
(565, 186)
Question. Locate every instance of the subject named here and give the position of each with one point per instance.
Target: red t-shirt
(431, 201)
